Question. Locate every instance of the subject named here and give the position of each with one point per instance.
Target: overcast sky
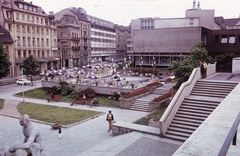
(123, 11)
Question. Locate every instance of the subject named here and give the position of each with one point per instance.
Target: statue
(31, 145)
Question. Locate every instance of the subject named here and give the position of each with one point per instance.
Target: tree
(183, 68)
(4, 62)
(31, 67)
(224, 62)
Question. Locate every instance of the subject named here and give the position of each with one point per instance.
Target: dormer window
(20, 6)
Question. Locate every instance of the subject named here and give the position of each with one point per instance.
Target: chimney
(194, 5)
(198, 6)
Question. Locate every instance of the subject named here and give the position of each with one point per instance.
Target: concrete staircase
(142, 104)
(204, 98)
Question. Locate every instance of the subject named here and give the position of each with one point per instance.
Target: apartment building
(122, 33)
(30, 28)
(73, 30)
(103, 40)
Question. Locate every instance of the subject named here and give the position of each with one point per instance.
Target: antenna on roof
(198, 6)
(194, 5)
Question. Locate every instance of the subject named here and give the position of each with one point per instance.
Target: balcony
(75, 38)
(76, 47)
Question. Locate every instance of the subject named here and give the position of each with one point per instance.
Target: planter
(55, 126)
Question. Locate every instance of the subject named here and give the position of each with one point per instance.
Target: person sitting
(51, 97)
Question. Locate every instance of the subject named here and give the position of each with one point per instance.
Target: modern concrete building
(225, 39)
(103, 40)
(73, 29)
(32, 32)
(158, 42)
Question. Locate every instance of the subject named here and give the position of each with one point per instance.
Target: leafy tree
(4, 62)
(183, 68)
(31, 67)
(224, 62)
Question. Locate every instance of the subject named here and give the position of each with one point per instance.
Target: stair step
(200, 104)
(181, 130)
(187, 122)
(197, 108)
(178, 133)
(143, 110)
(195, 111)
(183, 119)
(179, 138)
(185, 127)
(212, 95)
(190, 117)
(192, 114)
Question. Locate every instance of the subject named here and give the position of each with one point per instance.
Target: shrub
(89, 93)
(136, 92)
(74, 94)
(153, 84)
(66, 90)
(162, 97)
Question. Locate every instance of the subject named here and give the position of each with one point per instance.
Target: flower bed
(162, 97)
(136, 92)
(152, 84)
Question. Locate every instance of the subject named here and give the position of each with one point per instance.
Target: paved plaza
(88, 138)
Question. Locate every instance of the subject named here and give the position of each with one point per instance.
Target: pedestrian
(202, 70)
(59, 132)
(110, 118)
(205, 69)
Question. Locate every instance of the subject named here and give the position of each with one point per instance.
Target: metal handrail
(232, 136)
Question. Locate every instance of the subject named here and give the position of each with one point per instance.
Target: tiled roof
(80, 15)
(5, 36)
(220, 21)
(223, 23)
(232, 21)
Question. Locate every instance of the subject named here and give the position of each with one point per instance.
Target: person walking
(202, 70)
(205, 68)
(59, 133)
(110, 118)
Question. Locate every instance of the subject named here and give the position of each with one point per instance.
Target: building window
(33, 30)
(21, 6)
(38, 42)
(30, 8)
(224, 39)
(47, 32)
(23, 29)
(28, 30)
(47, 42)
(33, 41)
(17, 16)
(33, 19)
(42, 31)
(29, 41)
(37, 30)
(25, 7)
(9, 27)
(231, 39)
(9, 15)
(23, 17)
(28, 18)
(24, 41)
(42, 42)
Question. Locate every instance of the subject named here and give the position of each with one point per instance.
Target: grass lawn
(1, 103)
(54, 114)
(41, 93)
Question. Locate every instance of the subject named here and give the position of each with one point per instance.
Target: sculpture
(31, 145)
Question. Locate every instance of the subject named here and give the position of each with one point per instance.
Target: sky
(123, 11)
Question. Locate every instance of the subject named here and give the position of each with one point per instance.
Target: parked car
(23, 82)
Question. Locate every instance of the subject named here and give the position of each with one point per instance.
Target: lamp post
(23, 87)
(112, 67)
(172, 77)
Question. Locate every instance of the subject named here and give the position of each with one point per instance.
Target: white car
(23, 82)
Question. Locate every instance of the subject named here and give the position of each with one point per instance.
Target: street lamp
(23, 86)
(172, 77)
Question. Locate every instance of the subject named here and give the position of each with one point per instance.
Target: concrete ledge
(121, 127)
